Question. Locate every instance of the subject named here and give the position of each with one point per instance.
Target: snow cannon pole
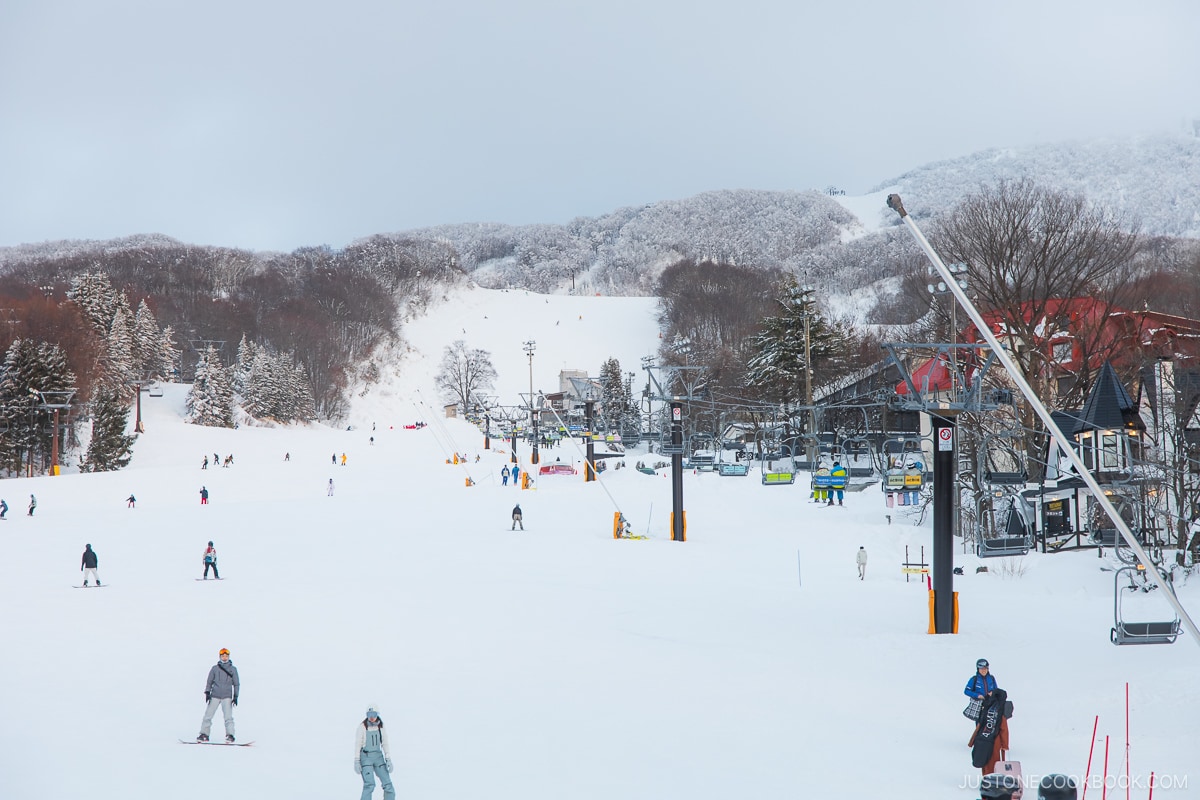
(1128, 766)
(1087, 773)
(1151, 795)
(960, 295)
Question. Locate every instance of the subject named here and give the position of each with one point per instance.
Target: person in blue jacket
(982, 683)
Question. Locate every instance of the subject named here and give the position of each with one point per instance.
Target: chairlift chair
(1126, 632)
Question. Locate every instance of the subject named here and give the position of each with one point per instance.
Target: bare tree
(465, 374)
(1050, 270)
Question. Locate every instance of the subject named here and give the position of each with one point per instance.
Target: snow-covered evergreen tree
(615, 397)
(93, 292)
(210, 401)
(30, 365)
(110, 447)
(168, 354)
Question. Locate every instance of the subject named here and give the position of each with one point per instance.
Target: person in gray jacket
(372, 756)
(222, 690)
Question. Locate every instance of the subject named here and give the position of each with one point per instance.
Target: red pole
(1151, 795)
(1128, 767)
(1087, 775)
(1104, 785)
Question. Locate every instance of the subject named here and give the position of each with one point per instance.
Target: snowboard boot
(97, 581)
(229, 738)
(85, 584)
(202, 737)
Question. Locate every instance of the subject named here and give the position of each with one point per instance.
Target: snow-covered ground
(747, 662)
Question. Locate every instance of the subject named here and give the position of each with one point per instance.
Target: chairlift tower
(944, 415)
(54, 401)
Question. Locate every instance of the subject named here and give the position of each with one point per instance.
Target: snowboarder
(504, 476)
(88, 565)
(861, 560)
(203, 495)
(205, 464)
(330, 491)
(287, 456)
(3, 509)
(210, 560)
(990, 739)
(333, 459)
(516, 517)
(343, 459)
(221, 689)
(129, 501)
(837, 484)
(32, 504)
(372, 756)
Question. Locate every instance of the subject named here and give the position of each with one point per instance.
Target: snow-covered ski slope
(748, 662)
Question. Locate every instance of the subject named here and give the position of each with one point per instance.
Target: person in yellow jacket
(820, 491)
(838, 484)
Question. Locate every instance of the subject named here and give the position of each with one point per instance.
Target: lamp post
(806, 300)
(940, 288)
(530, 346)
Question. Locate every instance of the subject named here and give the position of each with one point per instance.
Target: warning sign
(945, 440)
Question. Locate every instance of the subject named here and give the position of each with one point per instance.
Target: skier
(210, 560)
(129, 501)
(516, 474)
(203, 495)
(32, 504)
(837, 484)
(820, 492)
(372, 756)
(861, 559)
(333, 459)
(3, 508)
(504, 476)
(981, 685)
(88, 565)
(343, 459)
(205, 464)
(287, 456)
(221, 689)
(990, 739)
(516, 517)
(329, 493)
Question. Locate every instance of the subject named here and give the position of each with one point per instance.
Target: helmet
(981, 663)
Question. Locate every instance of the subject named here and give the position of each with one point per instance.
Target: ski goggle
(223, 652)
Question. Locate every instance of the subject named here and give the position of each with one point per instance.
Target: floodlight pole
(530, 346)
(894, 203)
(678, 533)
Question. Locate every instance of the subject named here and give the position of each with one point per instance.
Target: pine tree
(41, 367)
(97, 300)
(110, 448)
(210, 401)
(777, 367)
(147, 345)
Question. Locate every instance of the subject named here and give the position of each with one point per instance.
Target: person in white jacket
(372, 756)
(861, 559)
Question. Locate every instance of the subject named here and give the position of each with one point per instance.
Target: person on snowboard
(203, 495)
(130, 501)
(990, 739)
(32, 504)
(88, 565)
(3, 509)
(516, 517)
(372, 756)
(221, 689)
(210, 560)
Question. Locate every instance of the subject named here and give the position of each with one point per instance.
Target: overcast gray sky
(276, 124)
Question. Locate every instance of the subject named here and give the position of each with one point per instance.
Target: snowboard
(98, 586)
(210, 579)
(217, 744)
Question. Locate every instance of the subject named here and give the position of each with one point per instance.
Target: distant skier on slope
(221, 689)
(372, 755)
(517, 516)
(3, 509)
(861, 560)
(32, 504)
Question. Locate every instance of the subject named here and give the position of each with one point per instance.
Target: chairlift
(1017, 537)
(989, 477)
(858, 454)
(1127, 632)
(156, 390)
